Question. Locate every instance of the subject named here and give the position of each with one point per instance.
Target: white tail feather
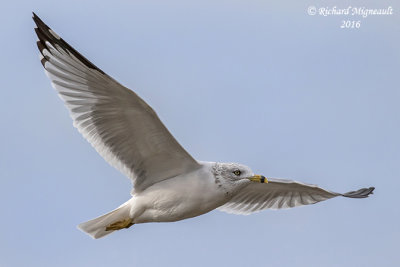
(96, 228)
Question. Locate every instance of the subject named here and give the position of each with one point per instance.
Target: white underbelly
(172, 213)
(177, 199)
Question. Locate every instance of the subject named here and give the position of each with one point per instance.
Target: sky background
(257, 82)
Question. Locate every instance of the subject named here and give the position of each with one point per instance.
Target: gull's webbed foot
(119, 225)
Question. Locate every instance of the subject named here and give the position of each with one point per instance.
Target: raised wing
(122, 128)
(280, 194)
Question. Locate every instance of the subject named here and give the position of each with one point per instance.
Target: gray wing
(280, 194)
(122, 128)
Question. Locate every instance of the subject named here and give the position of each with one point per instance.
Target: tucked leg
(119, 225)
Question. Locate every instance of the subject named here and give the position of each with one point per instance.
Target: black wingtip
(39, 23)
(361, 193)
(35, 17)
(46, 35)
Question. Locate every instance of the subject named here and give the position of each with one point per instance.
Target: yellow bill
(259, 179)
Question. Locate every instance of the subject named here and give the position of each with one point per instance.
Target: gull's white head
(235, 175)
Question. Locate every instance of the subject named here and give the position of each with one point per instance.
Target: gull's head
(236, 174)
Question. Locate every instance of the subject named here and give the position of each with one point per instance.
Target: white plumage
(168, 184)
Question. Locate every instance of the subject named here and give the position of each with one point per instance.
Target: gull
(168, 183)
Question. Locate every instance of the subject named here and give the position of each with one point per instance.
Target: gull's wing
(122, 128)
(280, 194)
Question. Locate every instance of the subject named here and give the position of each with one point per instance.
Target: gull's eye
(237, 172)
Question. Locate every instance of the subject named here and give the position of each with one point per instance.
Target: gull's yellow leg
(119, 225)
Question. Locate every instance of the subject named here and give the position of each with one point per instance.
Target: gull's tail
(105, 224)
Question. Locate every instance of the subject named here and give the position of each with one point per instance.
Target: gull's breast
(179, 198)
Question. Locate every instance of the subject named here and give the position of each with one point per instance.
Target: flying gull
(168, 183)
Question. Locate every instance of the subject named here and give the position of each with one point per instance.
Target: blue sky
(260, 83)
